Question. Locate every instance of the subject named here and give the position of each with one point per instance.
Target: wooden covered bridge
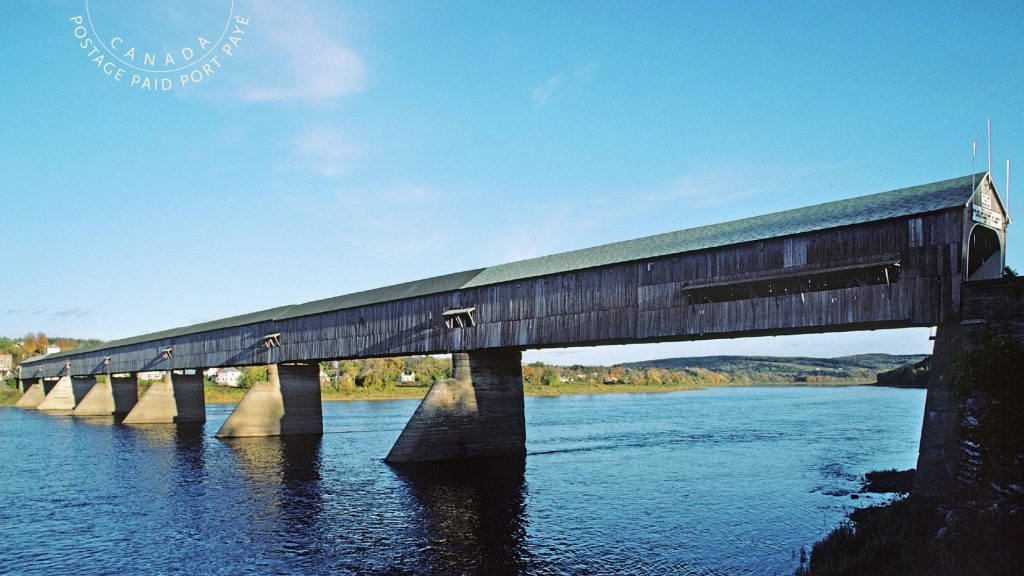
(893, 259)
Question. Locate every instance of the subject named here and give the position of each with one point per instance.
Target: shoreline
(420, 392)
(224, 395)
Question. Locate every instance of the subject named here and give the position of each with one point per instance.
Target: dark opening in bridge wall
(849, 277)
(984, 254)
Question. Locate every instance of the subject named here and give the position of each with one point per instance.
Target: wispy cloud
(302, 59)
(549, 90)
(392, 219)
(321, 151)
(746, 184)
(562, 226)
(543, 93)
(704, 189)
(70, 313)
(406, 194)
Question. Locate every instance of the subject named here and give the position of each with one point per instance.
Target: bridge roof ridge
(845, 212)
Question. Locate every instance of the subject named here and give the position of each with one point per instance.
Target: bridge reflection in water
(286, 494)
(469, 516)
(472, 513)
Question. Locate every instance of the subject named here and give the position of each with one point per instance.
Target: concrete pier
(34, 394)
(111, 396)
(67, 393)
(476, 413)
(178, 398)
(287, 404)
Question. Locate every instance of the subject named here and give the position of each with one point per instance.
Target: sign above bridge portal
(986, 206)
(987, 216)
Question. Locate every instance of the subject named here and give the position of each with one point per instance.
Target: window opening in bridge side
(459, 318)
(851, 277)
(984, 254)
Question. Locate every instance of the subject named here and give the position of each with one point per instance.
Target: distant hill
(772, 369)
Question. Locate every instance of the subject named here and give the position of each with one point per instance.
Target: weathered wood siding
(229, 347)
(641, 301)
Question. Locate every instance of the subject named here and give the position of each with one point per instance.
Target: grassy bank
(9, 396)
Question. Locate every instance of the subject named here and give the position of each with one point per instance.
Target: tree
(251, 375)
(30, 344)
(549, 377)
(430, 369)
(66, 343)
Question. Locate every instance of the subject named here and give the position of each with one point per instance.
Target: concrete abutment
(179, 397)
(989, 308)
(476, 413)
(111, 396)
(287, 404)
(35, 392)
(67, 393)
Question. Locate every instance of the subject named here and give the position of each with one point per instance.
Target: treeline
(36, 343)
(788, 370)
(540, 374)
(386, 374)
(383, 373)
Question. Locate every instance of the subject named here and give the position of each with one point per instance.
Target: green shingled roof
(882, 206)
(893, 204)
(433, 285)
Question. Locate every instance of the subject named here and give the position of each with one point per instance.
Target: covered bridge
(893, 259)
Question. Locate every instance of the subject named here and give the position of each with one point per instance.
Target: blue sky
(345, 146)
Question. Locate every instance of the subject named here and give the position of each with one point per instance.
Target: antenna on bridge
(974, 158)
(990, 145)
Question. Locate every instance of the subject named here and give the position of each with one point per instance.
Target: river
(720, 481)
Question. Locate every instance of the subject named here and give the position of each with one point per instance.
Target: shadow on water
(472, 514)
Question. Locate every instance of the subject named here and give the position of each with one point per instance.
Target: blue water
(721, 481)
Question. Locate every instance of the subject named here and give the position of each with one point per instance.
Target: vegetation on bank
(9, 393)
(767, 370)
(907, 538)
(379, 378)
(908, 376)
(889, 481)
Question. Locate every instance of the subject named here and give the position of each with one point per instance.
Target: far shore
(229, 395)
(225, 395)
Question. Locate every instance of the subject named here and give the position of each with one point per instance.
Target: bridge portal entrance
(984, 254)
